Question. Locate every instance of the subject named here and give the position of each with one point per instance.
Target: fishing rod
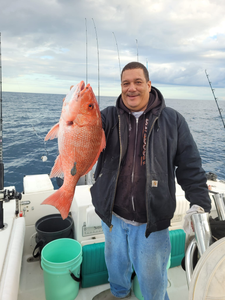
(137, 48)
(86, 52)
(117, 51)
(1, 159)
(98, 63)
(5, 195)
(219, 109)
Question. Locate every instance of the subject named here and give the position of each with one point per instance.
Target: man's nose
(132, 87)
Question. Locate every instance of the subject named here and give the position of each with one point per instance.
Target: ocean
(27, 118)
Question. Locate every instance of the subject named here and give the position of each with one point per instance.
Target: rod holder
(202, 230)
(202, 241)
(219, 200)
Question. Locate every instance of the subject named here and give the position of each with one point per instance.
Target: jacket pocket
(161, 201)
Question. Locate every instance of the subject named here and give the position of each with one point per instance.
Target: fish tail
(62, 200)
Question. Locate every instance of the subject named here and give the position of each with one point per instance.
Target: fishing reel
(5, 196)
(10, 195)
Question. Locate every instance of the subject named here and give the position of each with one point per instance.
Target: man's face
(135, 89)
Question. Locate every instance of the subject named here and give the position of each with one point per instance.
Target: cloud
(44, 45)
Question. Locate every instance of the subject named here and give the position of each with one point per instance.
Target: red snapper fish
(80, 142)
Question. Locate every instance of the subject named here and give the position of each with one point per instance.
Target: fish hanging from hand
(80, 141)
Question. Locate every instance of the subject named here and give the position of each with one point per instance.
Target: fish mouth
(82, 86)
(83, 89)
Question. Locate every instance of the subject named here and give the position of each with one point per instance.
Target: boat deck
(32, 284)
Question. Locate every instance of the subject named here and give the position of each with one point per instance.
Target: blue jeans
(127, 246)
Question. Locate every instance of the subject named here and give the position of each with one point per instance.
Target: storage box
(93, 269)
(177, 240)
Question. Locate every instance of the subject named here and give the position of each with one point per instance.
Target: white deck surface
(32, 284)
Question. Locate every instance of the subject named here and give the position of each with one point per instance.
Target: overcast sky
(44, 44)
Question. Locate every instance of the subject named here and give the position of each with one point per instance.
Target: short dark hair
(136, 65)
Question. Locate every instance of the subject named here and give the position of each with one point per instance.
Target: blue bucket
(60, 261)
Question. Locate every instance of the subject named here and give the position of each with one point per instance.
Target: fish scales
(80, 141)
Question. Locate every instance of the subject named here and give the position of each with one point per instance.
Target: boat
(21, 271)
(21, 275)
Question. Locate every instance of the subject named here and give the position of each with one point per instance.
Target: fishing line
(44, 157)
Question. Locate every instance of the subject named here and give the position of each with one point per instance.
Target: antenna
(219, 109)
(98, 63)
(86, 52)
(117, 52)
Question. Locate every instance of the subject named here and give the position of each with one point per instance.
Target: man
(147, 143)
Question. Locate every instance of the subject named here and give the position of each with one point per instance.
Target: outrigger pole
(219, 109)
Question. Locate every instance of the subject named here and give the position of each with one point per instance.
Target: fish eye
(90, 106)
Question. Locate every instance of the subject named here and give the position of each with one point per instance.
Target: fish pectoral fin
(102, 146)
(53, 133)
(57, 170)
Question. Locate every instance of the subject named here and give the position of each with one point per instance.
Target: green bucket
(60, 261)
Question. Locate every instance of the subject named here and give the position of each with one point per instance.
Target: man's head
(135, 86)
(136, 65)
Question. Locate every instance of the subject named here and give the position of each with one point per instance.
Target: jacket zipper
(135, 150)
(111, 226)
(147, 162)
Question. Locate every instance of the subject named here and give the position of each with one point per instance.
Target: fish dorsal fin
(57, 170)
(102, 146)
(53, 133)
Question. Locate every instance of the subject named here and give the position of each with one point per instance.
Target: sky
(49, 45)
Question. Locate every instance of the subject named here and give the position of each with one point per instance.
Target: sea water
(27, 118)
